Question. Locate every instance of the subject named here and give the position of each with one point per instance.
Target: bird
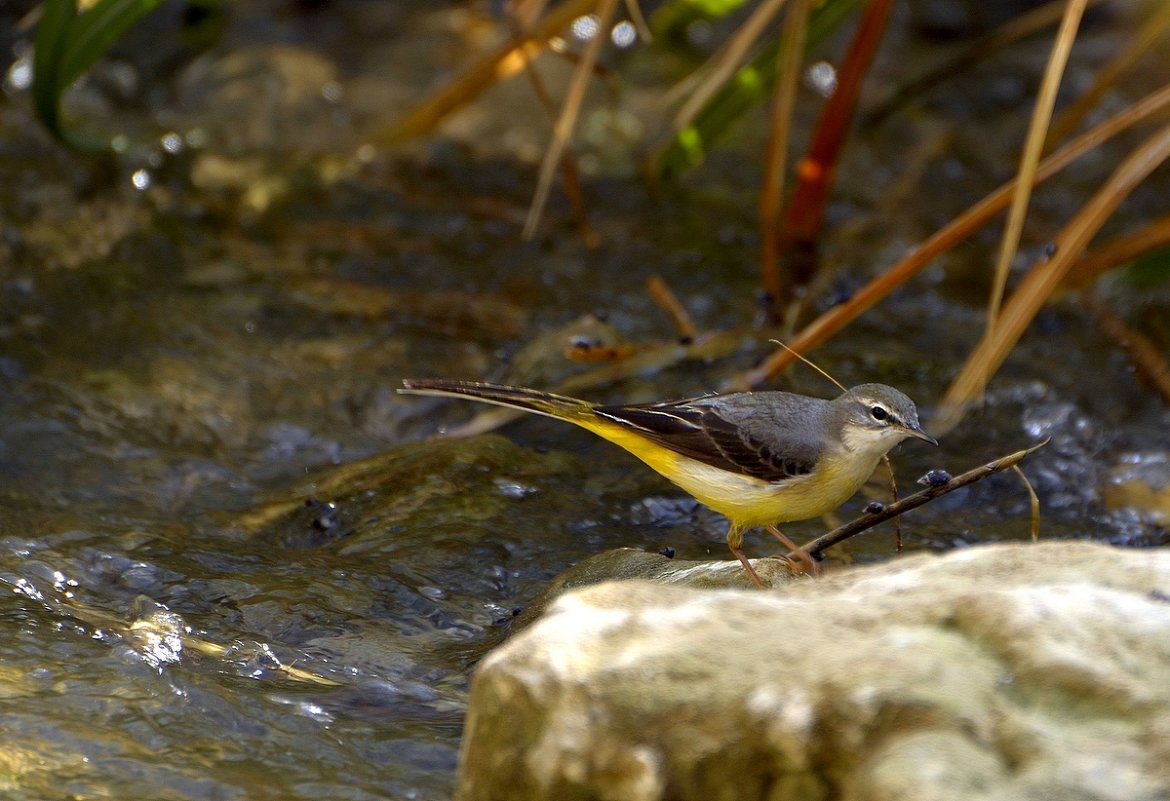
(757, 458)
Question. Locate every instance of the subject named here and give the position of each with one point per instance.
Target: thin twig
(634, 9)
(871, 519)
(816, 367)
(661, 293)
(570, 174)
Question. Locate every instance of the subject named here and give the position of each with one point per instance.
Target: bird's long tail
(531, 400)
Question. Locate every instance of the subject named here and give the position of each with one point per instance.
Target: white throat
(870, 441)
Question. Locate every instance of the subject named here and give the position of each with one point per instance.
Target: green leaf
(1150, 270)
(746, 90)
(55, 18)
(713, 8)
(68, 43)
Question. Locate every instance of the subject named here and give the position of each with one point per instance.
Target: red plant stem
(805, 215)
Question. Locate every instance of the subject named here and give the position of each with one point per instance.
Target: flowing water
(234, 565)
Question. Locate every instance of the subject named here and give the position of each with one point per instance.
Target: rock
(1141, 484)
(631, 563)
(1001, 672)
(264, 98)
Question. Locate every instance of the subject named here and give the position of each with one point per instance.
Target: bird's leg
(735, 543)
(807, 562)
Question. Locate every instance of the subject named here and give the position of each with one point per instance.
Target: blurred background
(235, 564)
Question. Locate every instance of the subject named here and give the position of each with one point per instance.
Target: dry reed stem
(470, 83)
(1009, 244)
(788, 68)
(831, 322)
(570, 109)
(1152, 32)
(571, 176)
(1046, 275)
(726, 61)
(639, 20)
(1015, 30)
(1119, 250)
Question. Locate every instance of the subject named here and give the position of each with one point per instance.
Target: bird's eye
(878, 413)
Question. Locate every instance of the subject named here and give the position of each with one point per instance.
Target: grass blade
(570, 108)
(67, 44)
(56, 16)
(93, 32)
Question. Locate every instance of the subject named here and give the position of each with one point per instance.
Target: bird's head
(873, 418)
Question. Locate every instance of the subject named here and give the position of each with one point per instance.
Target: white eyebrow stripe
(631, 424)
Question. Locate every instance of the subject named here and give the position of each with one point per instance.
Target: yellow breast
(747, 501)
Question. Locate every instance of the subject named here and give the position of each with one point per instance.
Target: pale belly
(751, 502)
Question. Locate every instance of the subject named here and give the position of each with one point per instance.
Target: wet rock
(1141, 483)
(631, 563)
(262, 98)
(404, 496)
(1003, 672)
(68, 234)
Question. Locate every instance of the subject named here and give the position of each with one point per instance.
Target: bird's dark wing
(746, 433)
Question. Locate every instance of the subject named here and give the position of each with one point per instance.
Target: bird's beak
(915, 430)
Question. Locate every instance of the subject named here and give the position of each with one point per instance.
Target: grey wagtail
(758, 458)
